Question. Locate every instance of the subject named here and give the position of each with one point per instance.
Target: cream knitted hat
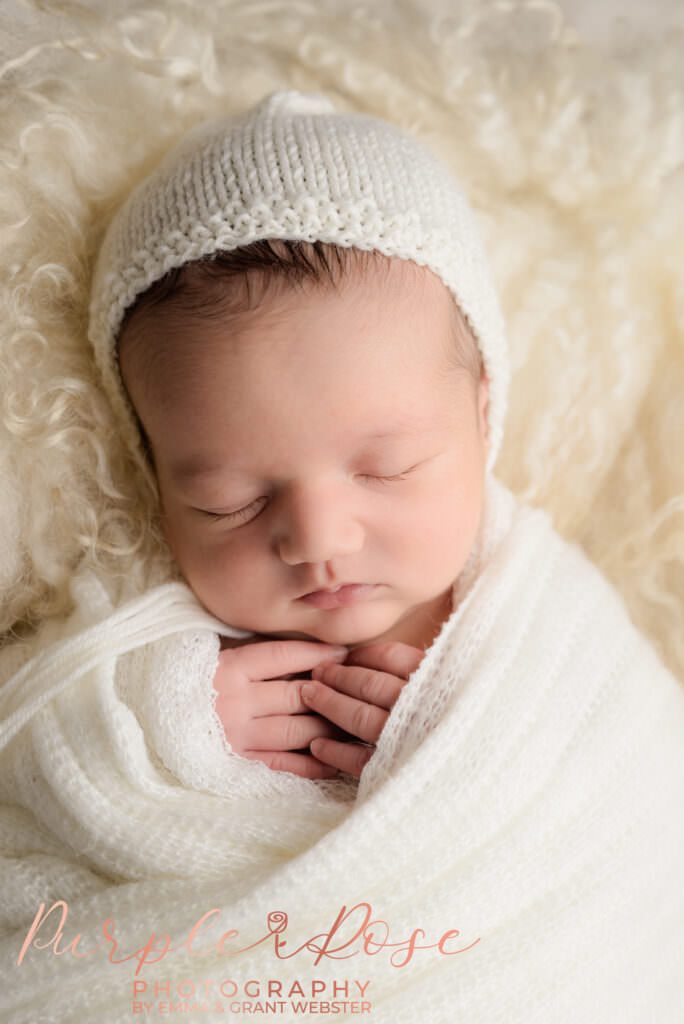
(292, 167)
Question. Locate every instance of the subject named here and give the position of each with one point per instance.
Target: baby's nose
(315, 528)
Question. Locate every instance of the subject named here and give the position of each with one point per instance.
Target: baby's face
(320, 461)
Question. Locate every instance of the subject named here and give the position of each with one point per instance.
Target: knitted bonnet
(293, 167)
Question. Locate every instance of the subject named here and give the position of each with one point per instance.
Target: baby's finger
(286, 732)
(365, 721)
(348, 757)
(276, 697)
(304, 765)
(274, 659)
(393, 657)
(365, 684)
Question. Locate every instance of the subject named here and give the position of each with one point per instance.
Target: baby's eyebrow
(194, 468)
(198, 466)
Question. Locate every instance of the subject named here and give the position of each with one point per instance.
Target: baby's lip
(337, 595)
(332, 588)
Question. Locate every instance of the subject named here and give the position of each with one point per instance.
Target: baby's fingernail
(339, 653)
(307, 691)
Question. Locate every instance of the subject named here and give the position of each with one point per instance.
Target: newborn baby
(296, 312)
(321, 459)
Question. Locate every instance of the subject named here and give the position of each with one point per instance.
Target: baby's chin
(416, 626)
(344, 627)
(362, 624)
(349, 638)
(346, 635)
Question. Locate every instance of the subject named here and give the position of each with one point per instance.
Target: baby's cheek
(444, 530)
(234, 573)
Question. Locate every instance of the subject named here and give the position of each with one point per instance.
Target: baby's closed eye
(388, 478)
(239, 515)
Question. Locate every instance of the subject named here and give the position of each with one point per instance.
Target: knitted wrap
(526, 790)
(292, 167)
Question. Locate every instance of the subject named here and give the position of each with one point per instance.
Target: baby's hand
(358, 696)
(260, 709)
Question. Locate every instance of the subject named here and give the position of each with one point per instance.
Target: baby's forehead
(170, 343)
(375, 292)
(280, 271)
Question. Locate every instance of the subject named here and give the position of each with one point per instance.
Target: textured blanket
(513, 850)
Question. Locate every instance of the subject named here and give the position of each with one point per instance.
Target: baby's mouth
(336, 597)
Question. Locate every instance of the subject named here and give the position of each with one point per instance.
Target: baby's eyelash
(387, 479)
(252, 510)
(240, 515)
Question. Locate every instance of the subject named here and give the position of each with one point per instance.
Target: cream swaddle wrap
(526, 793)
